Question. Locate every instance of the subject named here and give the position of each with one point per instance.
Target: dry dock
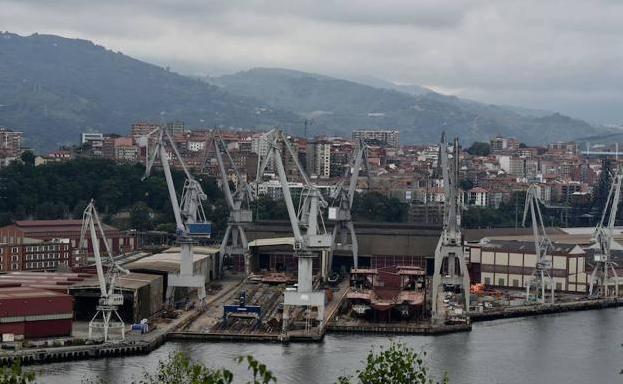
(211, 325)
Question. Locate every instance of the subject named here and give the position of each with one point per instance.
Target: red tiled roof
(47, 223)
(33, 226)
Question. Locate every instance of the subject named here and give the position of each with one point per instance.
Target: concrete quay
(535, 310)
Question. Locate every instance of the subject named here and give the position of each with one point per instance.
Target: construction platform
(259, 318)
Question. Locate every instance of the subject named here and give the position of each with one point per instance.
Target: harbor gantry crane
(449, 251)
(308, 244)
(604, 274)
(190, 219)
(240, 215)
(340, 212)
(106, 316)
(541, 276)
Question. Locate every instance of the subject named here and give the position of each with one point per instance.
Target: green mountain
(53, 88)
(339, 106)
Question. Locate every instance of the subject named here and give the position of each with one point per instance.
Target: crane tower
(240, 215)
(106, 316)
(310, 235)
(604, 281)
(450, 266)
(540, 277)
(190, 219)
(343, 203)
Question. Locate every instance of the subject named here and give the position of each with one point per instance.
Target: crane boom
(228, 196)
(361, 154)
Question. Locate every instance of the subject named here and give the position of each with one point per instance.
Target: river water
(578, 347)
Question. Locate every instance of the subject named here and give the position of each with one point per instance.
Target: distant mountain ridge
(54, 88)
(339, 106)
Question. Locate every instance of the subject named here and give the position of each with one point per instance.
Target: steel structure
(340, 213)
(449, 251)
(541, 276)
(106, 316)
(240, 215)
(190, 219)
(604, 273)
(310, 235)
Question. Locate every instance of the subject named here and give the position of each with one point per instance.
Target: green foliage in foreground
(396, 364)
(15, 375)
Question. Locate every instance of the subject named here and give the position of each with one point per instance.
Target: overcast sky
(564, 56)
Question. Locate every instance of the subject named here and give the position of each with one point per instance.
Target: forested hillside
(53, 88)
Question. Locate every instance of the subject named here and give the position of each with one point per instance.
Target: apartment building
(391, 138)
(36, 255)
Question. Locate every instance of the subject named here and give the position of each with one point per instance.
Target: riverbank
(177, 330)
(509, 351)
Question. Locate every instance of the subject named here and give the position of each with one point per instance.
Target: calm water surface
(579, 347)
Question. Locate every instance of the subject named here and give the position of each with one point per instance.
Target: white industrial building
(508, 263)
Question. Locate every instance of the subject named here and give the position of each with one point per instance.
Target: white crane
(449, 251)
(604, 273)
(540, 277)
(309, 219)
(240, 214)
(109, 301)
(190, 219)
(343, 204)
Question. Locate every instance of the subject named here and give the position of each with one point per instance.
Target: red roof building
(53, 230)
(35, 313)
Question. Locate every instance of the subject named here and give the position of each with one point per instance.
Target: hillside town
(491, 172)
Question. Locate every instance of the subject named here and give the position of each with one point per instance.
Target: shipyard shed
(35, 313)
(142, 296)
(168, 261)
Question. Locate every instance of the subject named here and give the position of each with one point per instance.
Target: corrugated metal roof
(35, 226)
(272, 241)
(131, 281)
(528, 247)
(169, 260)
(8, 293)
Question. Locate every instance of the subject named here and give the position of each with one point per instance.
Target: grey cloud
(560, 55)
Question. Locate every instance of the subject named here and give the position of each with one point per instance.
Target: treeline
(62, 190)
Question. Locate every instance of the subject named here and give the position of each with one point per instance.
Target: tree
(179, 369)
(466, 184)
(140, 216)
(479, 148)
(28, 158)
(16, 375)
(396, 364)
(374, 206)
